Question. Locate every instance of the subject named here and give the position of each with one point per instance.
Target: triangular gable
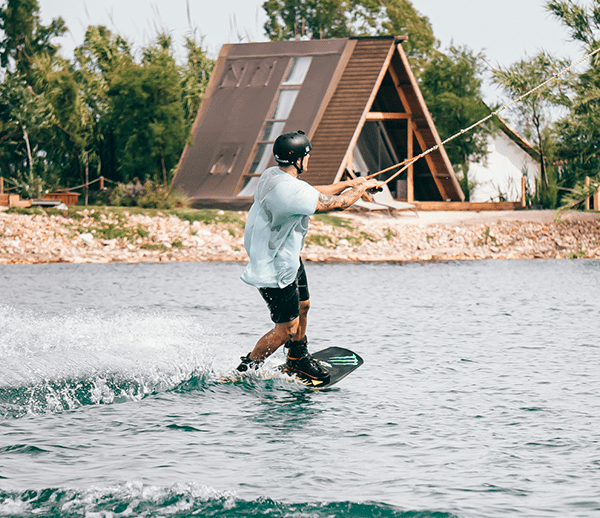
(377, 71)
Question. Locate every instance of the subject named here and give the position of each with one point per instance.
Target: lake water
(479, 396)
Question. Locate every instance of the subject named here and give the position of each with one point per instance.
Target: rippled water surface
(479, 396)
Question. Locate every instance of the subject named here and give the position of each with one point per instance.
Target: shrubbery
(149, 195)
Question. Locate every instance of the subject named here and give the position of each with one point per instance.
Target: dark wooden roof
(353, 95)
(333, 102)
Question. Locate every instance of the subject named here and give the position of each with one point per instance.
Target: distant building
(356, 98)
(510, 156)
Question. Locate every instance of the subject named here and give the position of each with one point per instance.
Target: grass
(206, 216)
(114, 231)
(576, 255)
(109, 222)
(334, 221)
(488, 237)
(320, 240)
(391, 234)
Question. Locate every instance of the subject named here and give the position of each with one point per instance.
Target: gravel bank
(92, 236)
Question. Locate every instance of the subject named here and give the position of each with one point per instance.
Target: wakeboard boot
(300, 361)
(248, 364)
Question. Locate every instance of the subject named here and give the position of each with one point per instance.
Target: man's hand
(370, 184)
(328, 202)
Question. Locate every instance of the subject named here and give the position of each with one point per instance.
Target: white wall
(502, 170)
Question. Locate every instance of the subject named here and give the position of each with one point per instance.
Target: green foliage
(487, 238)
(148, 195)
(320, 19)
(534, 111)
(103, 113)
(320, 240)
(578, 134)
(575, 197)
(546, 195)
(334, 221)
(451, 85)
(147, 114)
(583, 25)
(24, 36)
(390, 234)
(404, 19)
(576, 255)
(195, 78)
(316, 18)
(24, 117)
(210, 216)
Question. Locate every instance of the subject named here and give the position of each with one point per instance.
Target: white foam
(59, 362)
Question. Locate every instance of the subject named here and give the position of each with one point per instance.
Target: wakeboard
(338, 361)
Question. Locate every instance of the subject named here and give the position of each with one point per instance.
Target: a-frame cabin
(357, 99)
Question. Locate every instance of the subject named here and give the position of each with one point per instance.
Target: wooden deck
(465, 205)
(13, 200)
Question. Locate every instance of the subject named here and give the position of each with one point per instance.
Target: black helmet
(289, 147)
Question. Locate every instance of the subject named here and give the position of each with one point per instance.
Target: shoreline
(103, 235)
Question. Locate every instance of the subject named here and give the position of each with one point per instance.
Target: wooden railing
(68, 197)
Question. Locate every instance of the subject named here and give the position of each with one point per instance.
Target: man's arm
(336, 188)
(329, 202)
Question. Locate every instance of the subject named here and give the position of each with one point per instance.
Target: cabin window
(275, 125)
(298, 71)
(249, 187)
(285, 103)
(262, 73)
(262, 157)
(233, 75)
(225, 160)
(273, 130)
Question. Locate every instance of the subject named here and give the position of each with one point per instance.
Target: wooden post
(350, 162)
(1, 185)
(523, 191)
(587, 200)
(410, 186)
(102, 183)
(87, 178)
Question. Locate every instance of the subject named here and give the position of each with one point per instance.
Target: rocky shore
(96, 235)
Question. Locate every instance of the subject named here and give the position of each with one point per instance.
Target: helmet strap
(300, 169)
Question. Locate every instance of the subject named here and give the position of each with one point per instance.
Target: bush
(149, 195)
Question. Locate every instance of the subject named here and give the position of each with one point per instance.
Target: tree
(451, 86)
(24, 36)
(22, 114)
(147, 114)
(25, 115)
(534, 112)
(579, 133)
(98, 61)
(320, 19)
(104, 110)
(195, 76)
(404, 19)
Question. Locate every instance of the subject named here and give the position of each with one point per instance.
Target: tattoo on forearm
(339, 202)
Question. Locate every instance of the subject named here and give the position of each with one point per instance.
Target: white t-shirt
(275, 229)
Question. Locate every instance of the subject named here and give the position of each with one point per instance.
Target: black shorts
(284, 303)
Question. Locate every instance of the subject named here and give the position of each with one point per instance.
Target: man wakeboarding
(276, 226)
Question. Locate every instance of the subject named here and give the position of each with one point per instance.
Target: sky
(505, 30)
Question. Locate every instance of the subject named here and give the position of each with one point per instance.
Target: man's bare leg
(275, 338)
(303, 320)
